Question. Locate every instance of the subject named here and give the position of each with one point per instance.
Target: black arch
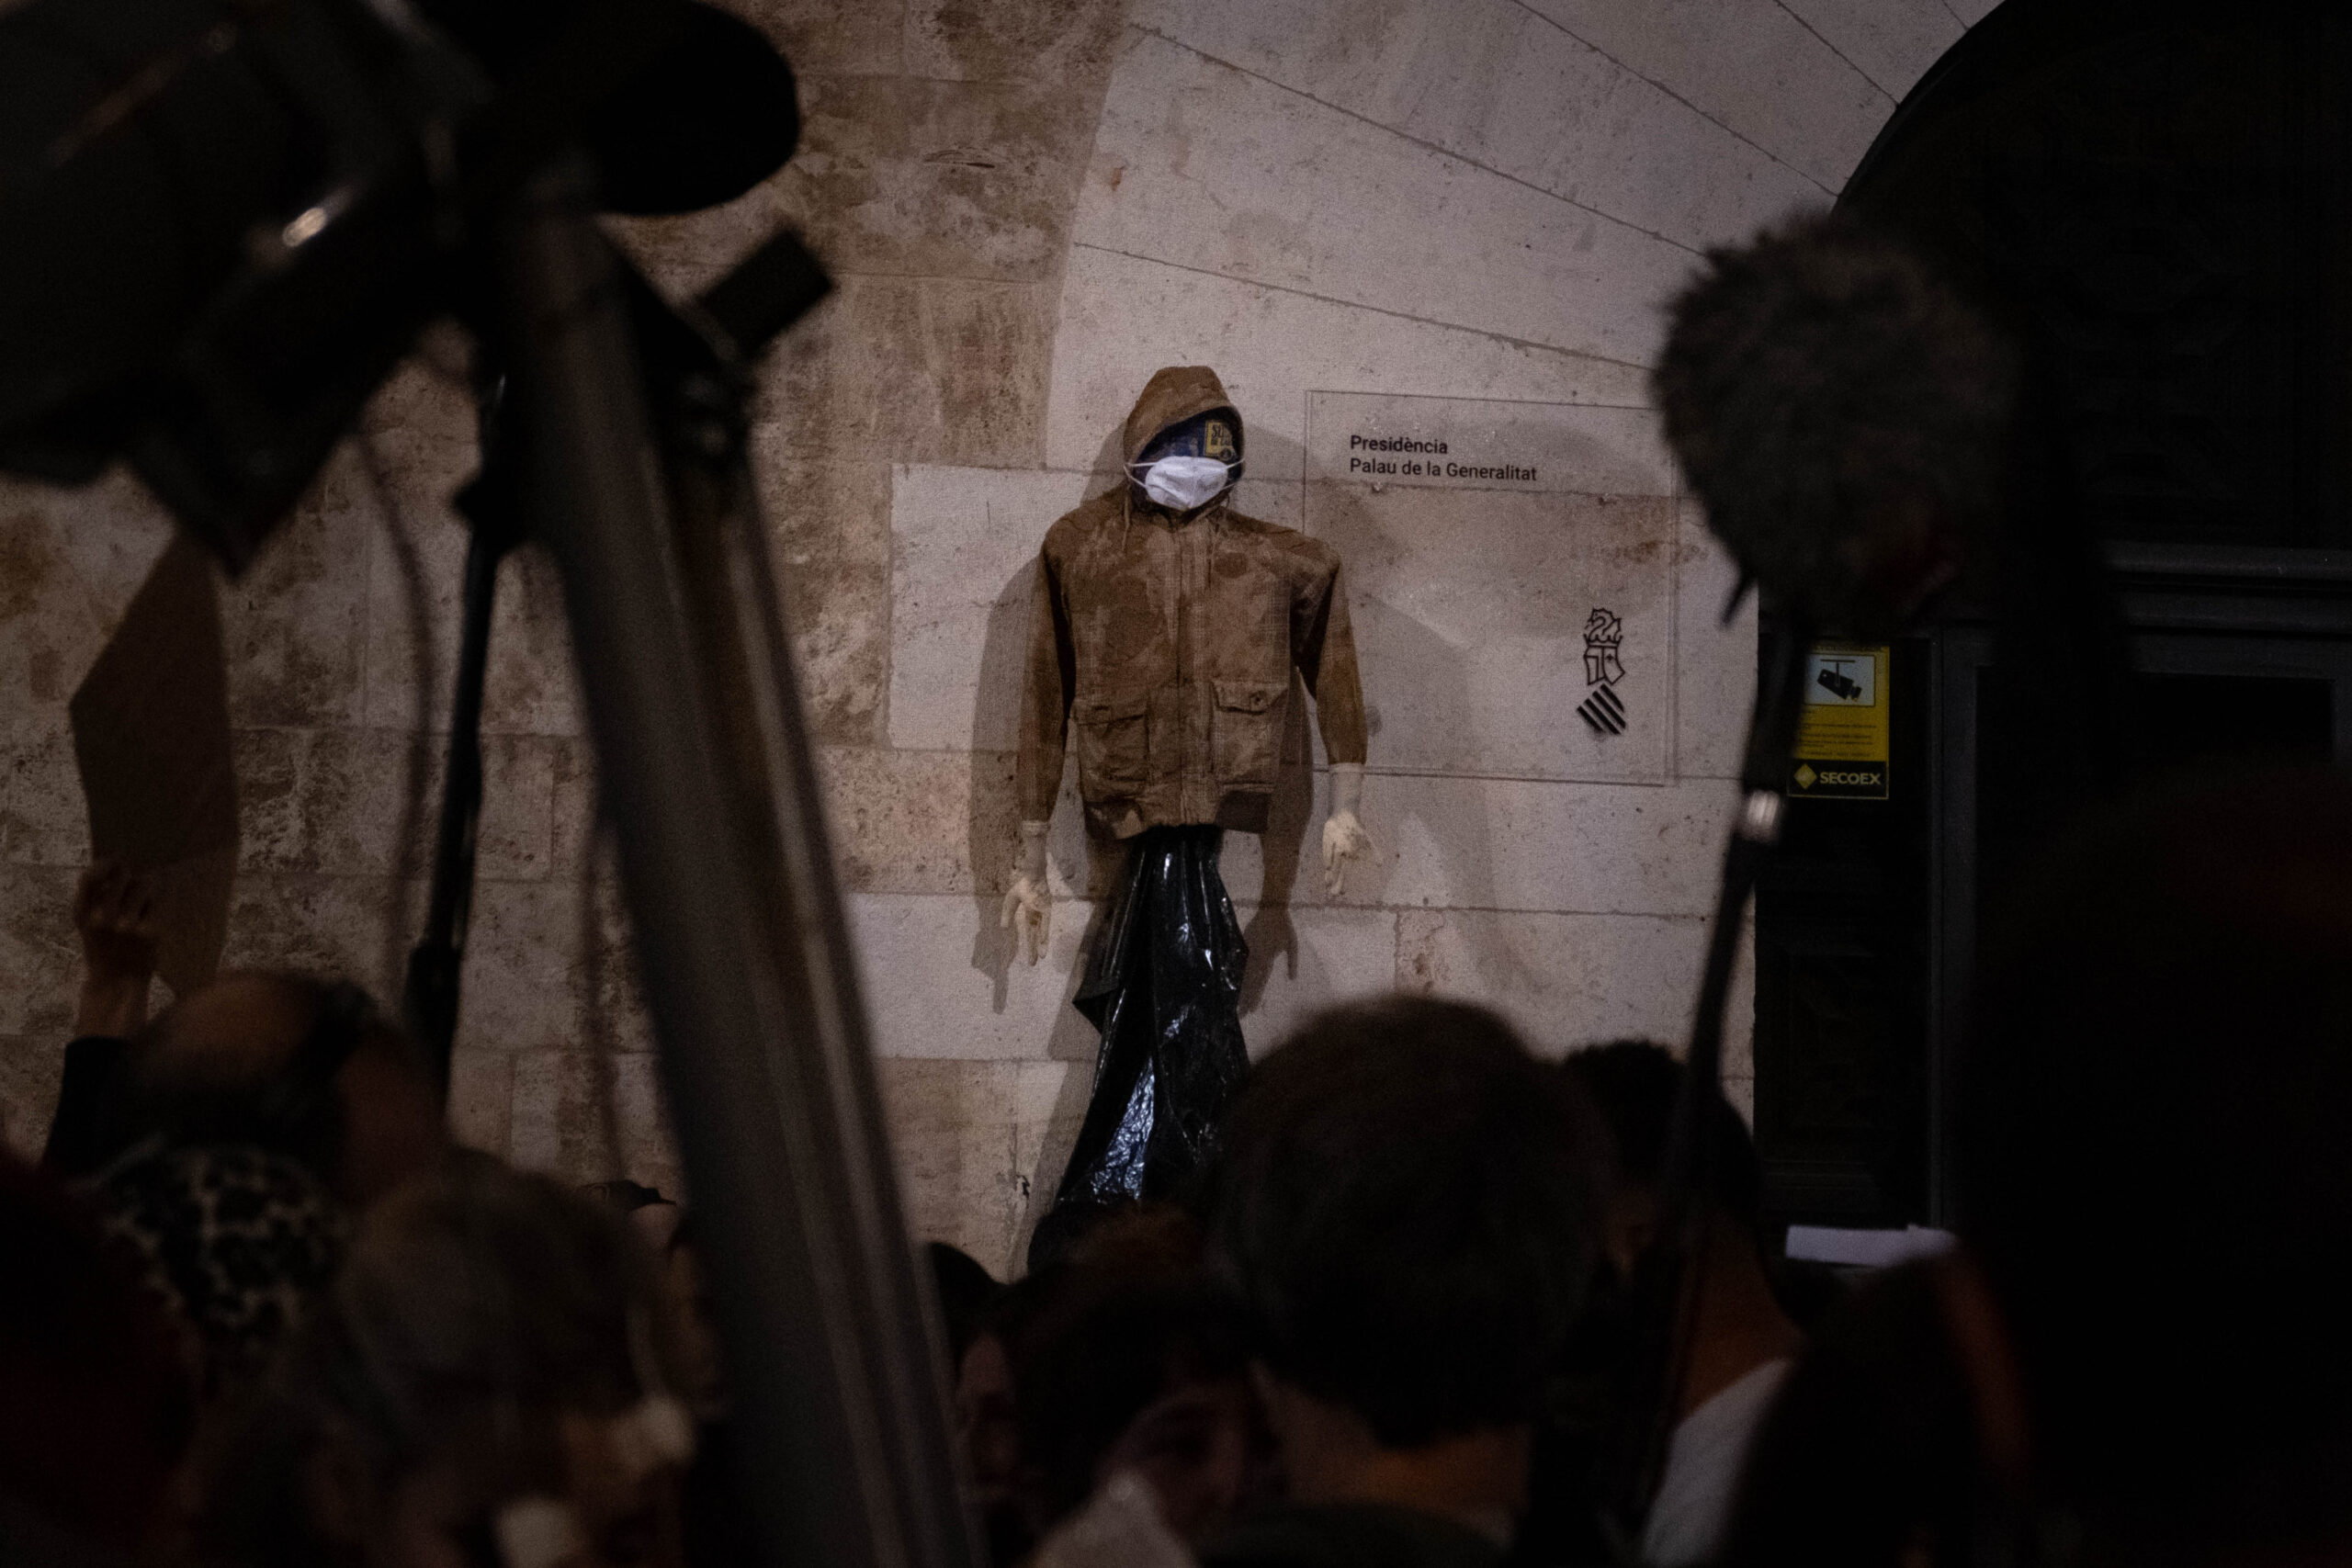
(2159, 194)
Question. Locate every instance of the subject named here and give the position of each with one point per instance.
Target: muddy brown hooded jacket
(1164, 643)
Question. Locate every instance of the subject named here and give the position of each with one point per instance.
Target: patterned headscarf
(235, 1241)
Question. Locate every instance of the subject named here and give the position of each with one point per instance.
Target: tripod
(615, 434)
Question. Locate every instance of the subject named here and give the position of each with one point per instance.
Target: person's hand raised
(114, 914)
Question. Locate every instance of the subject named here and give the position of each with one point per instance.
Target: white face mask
(1183, 483)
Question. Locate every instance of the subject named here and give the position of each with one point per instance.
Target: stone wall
(1029, 205)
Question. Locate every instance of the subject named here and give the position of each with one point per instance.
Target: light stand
(436, 965)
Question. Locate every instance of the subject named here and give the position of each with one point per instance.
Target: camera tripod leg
(707, 766)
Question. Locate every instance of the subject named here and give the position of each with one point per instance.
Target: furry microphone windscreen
(1844, 417)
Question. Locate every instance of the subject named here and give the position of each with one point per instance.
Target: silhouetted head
(1409, 1207)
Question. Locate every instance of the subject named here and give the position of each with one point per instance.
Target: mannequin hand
(1026, 912)
(1344, 840)
(1343, 836)
(1028, 907)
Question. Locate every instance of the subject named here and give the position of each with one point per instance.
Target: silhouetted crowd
(257, 1312)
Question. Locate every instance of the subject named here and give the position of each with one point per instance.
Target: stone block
(416, 569)
(614, 992)
(294, 628)
(1184, 171)
(920, 821)
(1124, 316)
(337, 801)
(1303, 960)
(1572, 980)
(1715, 663)
(828, 524)
(648, 1146)
(331, 800)
(517, 837)
(944, 822)
(30, 1068)
(355, 927)
(973, 1140)
(43, 817)
(915, 369)
(532, 686)
(532, 979)
(69, 562)
(1500, 844)
(481, 1099)
(40, 958)
(941, 979)
(966, 548)
(826, 37)
(572, 824)
(1064, 42)
(1494, 84)
(1893, 43)
(428, 402)
(587, 1117)
(1757, 69)
(523, 983)
(1438, 843)
(936, 179)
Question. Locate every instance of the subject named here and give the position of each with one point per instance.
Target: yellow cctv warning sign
(1842, 735)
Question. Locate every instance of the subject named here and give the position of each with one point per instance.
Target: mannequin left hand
(1344, 841)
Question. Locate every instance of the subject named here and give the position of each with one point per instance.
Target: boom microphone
(1850, 424)
(1846, 418)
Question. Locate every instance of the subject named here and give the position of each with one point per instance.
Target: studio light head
(222, 222)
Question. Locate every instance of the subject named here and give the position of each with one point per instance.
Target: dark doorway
(2157, 196)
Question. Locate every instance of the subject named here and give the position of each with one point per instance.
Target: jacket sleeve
(1047, 679)
(1324, 647)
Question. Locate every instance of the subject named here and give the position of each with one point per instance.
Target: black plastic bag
(1163, 984)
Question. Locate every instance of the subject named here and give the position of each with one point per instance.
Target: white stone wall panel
(963, 554)
(1124, 316)
(942, 979)
(1244, 179)
(1574, 980)
(1493, 83)
(1504, 844)
(1716, 659)
(1303, 959)
(1893, 43)
(1747, 65)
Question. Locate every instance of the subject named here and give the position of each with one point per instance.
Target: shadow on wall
(991, 842)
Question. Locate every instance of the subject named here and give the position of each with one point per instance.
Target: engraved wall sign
(1510, 568)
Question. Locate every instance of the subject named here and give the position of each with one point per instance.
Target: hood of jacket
(1172, 396)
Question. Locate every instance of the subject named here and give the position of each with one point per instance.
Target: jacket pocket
(1113, 750)
(1246, 741)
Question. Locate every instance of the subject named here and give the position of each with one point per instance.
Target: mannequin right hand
(1027, 912)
